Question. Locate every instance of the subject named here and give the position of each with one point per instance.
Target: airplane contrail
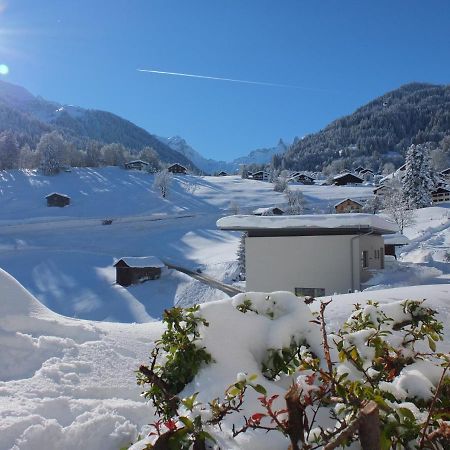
(233, 80)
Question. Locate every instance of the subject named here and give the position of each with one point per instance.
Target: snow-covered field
(65, 256)
(70, 382)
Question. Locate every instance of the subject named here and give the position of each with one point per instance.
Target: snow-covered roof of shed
(58, 194)
(138, 161)
(311, 223)
(396, 239)
(264, 210)
(141, 261)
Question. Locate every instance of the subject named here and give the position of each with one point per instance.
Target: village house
(346, 178)
(311, 255)
(440, 194)
(177, 169)
(446, 175)
(222, 174)
(348, 206)
(134, 270)
(56, 199)
(137, 164)
(272, 211)
(261, 175)
(301, 178)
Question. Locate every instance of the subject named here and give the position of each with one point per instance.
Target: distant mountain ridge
(32, 116)
(379, 131)
(211, 166)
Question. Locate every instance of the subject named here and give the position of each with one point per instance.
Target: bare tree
(163, 180)
(296, 202)
(396, 208)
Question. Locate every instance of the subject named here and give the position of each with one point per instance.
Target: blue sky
(340, 54)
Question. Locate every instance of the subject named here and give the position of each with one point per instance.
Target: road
(229, 290)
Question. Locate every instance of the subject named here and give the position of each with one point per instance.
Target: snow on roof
(350, 200)
(141, 261)
(345, 174)
(137, 161)
(264, 210)
(396, 239)
(56, 193)
(371, 222)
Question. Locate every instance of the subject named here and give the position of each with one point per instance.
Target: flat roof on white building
(310, 224)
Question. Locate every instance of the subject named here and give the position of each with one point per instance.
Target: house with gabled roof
(311, 255)
(137, 164)
(137, 269)
(57, 199)
(348, 206)
(346, 178)
(271, 211)
(300, 178)
(177, 169)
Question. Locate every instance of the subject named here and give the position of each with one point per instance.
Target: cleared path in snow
(229, 290)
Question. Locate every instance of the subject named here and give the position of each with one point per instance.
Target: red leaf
(170, 425)
(257, 417)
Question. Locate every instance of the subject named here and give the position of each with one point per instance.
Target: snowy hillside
(65, 256)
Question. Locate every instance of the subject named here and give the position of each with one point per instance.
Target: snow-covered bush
(162, 182)
(295, 202)
(263, 371)
(241, 257)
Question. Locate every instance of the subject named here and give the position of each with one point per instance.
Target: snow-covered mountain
(210, 166)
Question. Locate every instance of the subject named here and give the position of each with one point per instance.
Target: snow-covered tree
(388, 168)
(114, 154)
(52, 150)
(149, 155)
(296, 202)
(241, 257)
(163, 180)
(234, 207)
(93, 156)
(439, 159)
(372, 205)
(418, 179)
(9, 151)
(28, 158)
(397, 209)
(280, 184)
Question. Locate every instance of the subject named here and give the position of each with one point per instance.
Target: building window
(309, 292)
(365, 259)
(382, 257)
(377, 254)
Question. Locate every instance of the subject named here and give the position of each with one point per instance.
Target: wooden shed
(271, 211)
(56, 199)
(348, 206)
(222, 174)
(346, 178)
(134, 270)
(177, 168)
(301, 178)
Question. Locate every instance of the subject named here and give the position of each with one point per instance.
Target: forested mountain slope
(378, 132)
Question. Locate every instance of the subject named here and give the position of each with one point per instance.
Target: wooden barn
(177, 168)
(346, 178)
(55, 199)
(261, 175)
(138, 164)
(134, 270)
(222, 174)
(348, 206)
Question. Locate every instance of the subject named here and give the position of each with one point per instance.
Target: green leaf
(259, 388)
(407, 413)
(186, 422)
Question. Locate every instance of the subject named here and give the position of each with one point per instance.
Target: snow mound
(21, 318)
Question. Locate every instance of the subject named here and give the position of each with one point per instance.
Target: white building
(311, 255)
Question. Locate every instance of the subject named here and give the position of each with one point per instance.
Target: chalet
(134, 270)
(441, 194)
(301, 178)
(346, 178)
(446, 174)
(358, 169)
(55, 199)
(392, 242)
(261, 175)
(366, 171)
(177, 168)
(273, 211)
(382, 190)
(348, 206)
(222, 174)
(311, 255)
(136, 165)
